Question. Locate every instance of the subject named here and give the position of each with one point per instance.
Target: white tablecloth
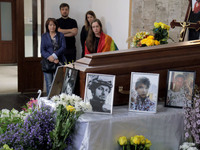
(101, 132)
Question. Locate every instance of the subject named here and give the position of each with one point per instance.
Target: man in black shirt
(69, 28)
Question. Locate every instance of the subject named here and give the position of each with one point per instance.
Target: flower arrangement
(138, 142)
(192, 120)
(161, 32)
(142, 39)
(138, 37)
(42, 128)
(72, 100)
(32, 103)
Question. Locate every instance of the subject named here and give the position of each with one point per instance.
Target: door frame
(30, 76)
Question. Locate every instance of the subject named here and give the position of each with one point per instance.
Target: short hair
(142, 80)
(180, 76)
(95, 83)
(47, 24)
(64, 5)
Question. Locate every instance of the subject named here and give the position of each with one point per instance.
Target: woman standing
(89, 17)
(52, 48)
(97, 41)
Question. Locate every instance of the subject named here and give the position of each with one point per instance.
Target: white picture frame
(143, 92)
(99, 92)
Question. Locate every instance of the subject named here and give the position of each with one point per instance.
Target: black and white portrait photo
(69, 81)
(99, 92)
(143, 92)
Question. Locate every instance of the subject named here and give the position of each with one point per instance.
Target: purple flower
(198, 115)
(186, 134)
(196, 104)
(33, 133)
(198, 122)
(188, 125)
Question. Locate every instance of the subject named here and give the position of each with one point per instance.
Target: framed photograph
(99, 92)
(57, 83)
(143, 92)
(69, 81)
(180, 86)
(193, 15)
(196, 6)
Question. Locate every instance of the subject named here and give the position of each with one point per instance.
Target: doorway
(21, 26)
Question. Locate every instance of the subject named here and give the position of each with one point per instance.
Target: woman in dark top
(52, 48)
(89, 17)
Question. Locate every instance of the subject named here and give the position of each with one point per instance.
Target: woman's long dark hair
(47, 24)
(91, 41)
(87, 24)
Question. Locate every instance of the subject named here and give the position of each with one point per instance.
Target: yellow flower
(156, 25)
(150, 37)
(131, 140)
(163, 26)
(122, 140)
(142, 138)
(148, 143)
(156, 42)
(144, 41)
(70, 108)
(136, 140)
(150, 42)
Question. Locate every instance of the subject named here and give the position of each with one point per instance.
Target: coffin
(155, 59)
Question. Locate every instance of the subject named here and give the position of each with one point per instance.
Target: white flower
(188, 146)
(21, 112)
(5, 113)
(88, 106)
(63, 97)
(14, 111)
(55, 98)
(77, 106)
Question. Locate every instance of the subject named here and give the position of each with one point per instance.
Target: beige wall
(146, 12)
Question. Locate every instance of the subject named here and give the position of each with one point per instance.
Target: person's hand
(51, 58)
(59, 30)
(56, 61)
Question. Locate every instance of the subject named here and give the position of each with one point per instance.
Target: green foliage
(65, 124)
(6, 147)
(9, 117)
(161, 35)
